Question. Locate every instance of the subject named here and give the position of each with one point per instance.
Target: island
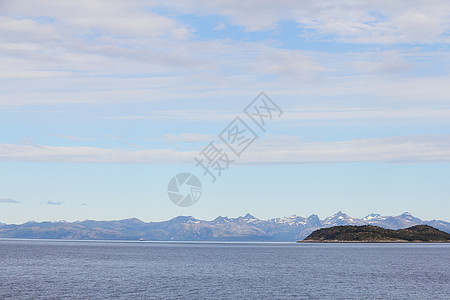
(375, 234)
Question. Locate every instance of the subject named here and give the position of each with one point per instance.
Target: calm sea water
(143, 270)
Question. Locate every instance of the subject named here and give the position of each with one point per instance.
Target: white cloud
(14, 30)
(273, 150)
(389, 62)
(8, 200)
(411, 149)
(71, 137)
(427, 26)
(188, 137)
(42, 153)
(220, 26)
(371, 113)
(384, 22)
(108, 17)
(122, 52)
(61, 52)
(288, 64)
(253, 15)
(57, 203)
(182, 33)
(361, 21)
(304, 113)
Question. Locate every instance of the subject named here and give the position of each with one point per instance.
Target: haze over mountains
(186, 228)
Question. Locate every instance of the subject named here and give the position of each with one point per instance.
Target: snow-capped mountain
(289, 221)
(313, 221)
(244, 228)
(248, 218)
(372, 217)
(221, 220)
(339, 219)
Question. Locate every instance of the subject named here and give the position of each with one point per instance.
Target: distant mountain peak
(340, 214)
(249, 216)
(372, 216)
(184, 218)
(409, 217)
(133, 220)
(339, 218)
(221, 219)
(313, 217)
(313, 221)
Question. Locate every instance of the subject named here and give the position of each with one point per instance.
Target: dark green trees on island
(368, 233)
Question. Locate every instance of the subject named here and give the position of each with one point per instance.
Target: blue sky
(101, 103)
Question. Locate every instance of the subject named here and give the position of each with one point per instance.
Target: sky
(103, 102)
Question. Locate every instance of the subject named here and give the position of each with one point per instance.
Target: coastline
(375, 242)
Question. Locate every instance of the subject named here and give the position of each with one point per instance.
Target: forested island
(375, 234)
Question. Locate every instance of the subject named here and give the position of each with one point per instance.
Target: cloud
(27, 141)
(10, 152)
(182, 33)
(53, 202)
(220, 26)
(113, 52)
(297, 113)
(188, 137)
(355, 21)
(106, 17)
(8, 200)
(274, 150)
(375, 114)
(383, 22)
(408, 149)
(388, 62)
(288, 64)
(70, 137)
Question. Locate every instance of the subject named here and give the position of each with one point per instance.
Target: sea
(54, 269)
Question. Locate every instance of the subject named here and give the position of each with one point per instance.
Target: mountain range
(187, 228)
